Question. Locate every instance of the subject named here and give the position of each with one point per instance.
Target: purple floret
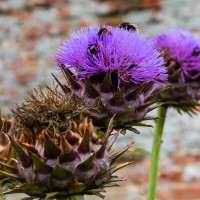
(128, 53)
(183, 47)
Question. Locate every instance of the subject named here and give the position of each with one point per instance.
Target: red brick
(32, 3)
(64, 28)
(27, 45)
(173, 174)
(64, 13)
(22, 15)
(150, 4)
(113, 7)
(113, 21)
(140, 173)
(1, 80)
(164, 193)
(36, 30)
(59, 1)
(24, 78)
(183, 159)
(186, 192)
(83, 23)
(31, 62)
(16, 63)
(12, 92)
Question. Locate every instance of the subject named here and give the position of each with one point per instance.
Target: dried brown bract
(48, 107)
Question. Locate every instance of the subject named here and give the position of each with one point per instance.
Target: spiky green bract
(181, 52)
(64, 165)
(130, 103)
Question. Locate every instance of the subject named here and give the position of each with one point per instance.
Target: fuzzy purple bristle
(92, 51)
(183, 47)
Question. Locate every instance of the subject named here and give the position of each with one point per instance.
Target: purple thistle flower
(98, 49)
(184, 48)
(116, 69)
(181, 52)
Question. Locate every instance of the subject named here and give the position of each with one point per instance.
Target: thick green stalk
(154, 159)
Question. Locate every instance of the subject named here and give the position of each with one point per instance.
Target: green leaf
(73, 197)
(138, 149)
(22, 155)
(117, 100)
(91, 92)
(84, 147)
(116, 179)
(87, 164)
(107, 83)
(136, 92)
(60, 172)
(93, 191)
(111, 185)
(34, 189)
(2, 197)
(6, 183)
(142, 150)
(100, 132)
(96, 192)
(134, 130)
(51, 150)
(139, 124)
(40, 165)
(124, 117)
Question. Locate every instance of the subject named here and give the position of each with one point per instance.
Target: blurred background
(32, 30)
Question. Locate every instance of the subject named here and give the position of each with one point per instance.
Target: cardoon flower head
(181, 51)
(115, 68)
(96, 50)
(46, 158)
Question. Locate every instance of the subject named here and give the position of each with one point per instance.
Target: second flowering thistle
(115, 68)
(181, 52)
(55, 153)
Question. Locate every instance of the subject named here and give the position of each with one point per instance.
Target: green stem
(154, 159)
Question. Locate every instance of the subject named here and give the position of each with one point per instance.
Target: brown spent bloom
(49, 107)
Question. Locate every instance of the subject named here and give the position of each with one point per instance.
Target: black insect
(103, 30)
(132, 66)
(128, 26)
(93, 48)
(196, 51)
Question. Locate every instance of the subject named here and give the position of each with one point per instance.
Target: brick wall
(31, 30)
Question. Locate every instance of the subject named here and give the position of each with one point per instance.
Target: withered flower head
(49, 107)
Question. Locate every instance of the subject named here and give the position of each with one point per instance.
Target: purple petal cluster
(183, 47)
(92, 51)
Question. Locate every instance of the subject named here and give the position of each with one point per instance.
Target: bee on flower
(116, 69)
